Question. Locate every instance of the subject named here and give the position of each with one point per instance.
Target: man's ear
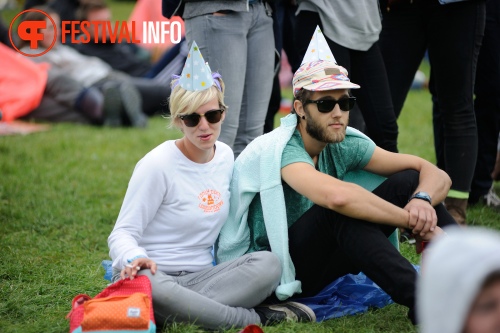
(297, 106)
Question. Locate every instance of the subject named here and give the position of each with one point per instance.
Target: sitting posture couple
(283, 219)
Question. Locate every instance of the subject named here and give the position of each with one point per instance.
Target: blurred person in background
(487, 110)
(237, 39)
(458, 290)
(451, 32)
(129, 99)
(49, 95)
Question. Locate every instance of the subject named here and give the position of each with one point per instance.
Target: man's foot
(290, 311)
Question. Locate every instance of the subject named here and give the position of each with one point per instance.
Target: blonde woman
(176, 203)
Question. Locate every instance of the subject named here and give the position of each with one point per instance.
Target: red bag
(124, 306)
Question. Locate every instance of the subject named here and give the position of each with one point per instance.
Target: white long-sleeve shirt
(173, 209)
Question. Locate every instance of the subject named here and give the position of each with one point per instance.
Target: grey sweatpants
(219, 297)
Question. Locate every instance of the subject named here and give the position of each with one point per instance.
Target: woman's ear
(177, 123)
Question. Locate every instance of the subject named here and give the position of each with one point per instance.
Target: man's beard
(316, 131)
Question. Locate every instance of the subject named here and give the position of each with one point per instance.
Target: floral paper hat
(196, 74)
(319, 70)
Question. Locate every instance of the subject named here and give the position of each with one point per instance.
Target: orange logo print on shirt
(210, 201)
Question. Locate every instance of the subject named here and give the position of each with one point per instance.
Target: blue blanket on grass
(348, 295)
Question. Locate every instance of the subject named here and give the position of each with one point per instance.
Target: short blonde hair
(184, 101)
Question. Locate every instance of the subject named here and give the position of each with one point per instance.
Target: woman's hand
(131, 270)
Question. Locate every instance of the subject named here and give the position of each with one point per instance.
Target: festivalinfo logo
(82, 32)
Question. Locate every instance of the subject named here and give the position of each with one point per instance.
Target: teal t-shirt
(337, 159)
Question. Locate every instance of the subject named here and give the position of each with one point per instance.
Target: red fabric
(140, 284)
(22, 83)
(251, 329)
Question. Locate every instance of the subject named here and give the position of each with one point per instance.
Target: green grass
(60, 193)
(416, 135)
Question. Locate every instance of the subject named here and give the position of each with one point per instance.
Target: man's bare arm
(346, 198)
(432, 180)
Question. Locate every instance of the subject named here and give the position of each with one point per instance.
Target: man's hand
(423, 218)
(135, 266)
(420, 240)
(430, 235)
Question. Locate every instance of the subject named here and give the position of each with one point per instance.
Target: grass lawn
(60, 193)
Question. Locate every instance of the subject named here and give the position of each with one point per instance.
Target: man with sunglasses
(296, 192)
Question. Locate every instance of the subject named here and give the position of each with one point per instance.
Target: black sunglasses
(193, 119)
(327, 105)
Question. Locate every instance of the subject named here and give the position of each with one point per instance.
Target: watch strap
(422, 196)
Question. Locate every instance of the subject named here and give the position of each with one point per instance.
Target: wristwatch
(422, 196)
